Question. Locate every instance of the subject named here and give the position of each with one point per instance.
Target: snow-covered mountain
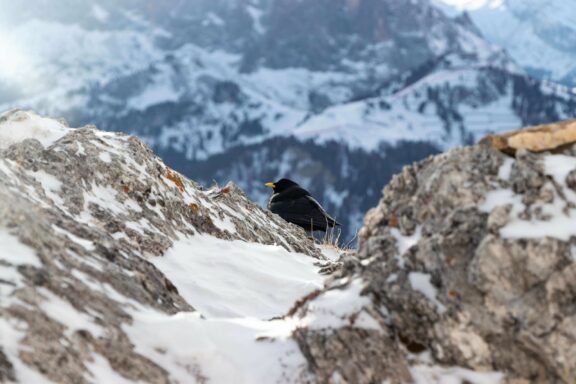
(338, 95)
(539, 34)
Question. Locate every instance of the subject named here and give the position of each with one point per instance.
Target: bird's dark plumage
(295, 205)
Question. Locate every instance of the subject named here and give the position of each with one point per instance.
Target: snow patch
(159, 89)
(193, 349)
(20, 125)
(106, 198)
(559, 166)
(71, 318)
(105, 157)
(222, 278)
(86, 244)
(555, 218)
(11, 334)
(224, 224)
(501, 197)
(80, 151)
(15, 253)
(428, 374)
(331, 252)
(339, 308)
(505, 169)
(102, 372)
(421, 282)
(404, 243)
(51, 186)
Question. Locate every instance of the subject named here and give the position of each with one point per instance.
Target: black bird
(295, 205)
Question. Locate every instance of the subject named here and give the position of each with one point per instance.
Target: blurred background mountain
(336, 94)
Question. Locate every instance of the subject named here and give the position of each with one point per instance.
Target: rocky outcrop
(545, 137)
(467, 261)
(82, 214)
(114, 268)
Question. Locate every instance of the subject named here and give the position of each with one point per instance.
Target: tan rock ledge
(539, 138)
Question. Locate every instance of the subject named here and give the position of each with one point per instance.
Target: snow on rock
(14, 254)
(229, 275)
(334, 309)
(421, 282)
(424, 374)
(484, 283)
(20, 125)
(552, 216)
(115, 268)
(222, 350)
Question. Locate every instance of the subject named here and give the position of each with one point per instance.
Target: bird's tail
(331, 222)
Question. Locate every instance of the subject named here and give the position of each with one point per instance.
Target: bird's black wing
(304, 212)
(331, 221)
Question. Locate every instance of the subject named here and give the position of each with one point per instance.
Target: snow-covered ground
(227, 340)
(238, 279)
(236, 288)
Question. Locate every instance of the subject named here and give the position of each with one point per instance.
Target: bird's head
(281, 185)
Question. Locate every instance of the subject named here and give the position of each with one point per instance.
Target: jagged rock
(540, 138)
(95, 208)
(467, 259)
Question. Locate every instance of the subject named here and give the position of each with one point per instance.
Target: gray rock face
(93, 206)
(469, 258)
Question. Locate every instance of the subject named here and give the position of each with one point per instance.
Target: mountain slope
(114, 268)
(201, 81)
(539, 35)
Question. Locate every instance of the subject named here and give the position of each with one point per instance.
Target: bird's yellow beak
(271, 185)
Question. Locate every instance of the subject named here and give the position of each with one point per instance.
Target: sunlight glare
(14, 62)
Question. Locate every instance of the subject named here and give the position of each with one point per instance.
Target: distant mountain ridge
(539, 34)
